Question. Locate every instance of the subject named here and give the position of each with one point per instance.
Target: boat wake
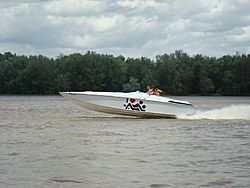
(230, 112)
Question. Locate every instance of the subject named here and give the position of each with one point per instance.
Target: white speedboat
(131, 104)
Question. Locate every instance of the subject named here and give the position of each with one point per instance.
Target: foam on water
(230, 112)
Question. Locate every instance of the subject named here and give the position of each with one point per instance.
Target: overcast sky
(125, 27)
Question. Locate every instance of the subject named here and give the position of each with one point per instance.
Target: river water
(51, 142)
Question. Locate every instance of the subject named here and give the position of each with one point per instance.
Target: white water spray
(230, 112)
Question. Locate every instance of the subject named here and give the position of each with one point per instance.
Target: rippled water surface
(51, 142)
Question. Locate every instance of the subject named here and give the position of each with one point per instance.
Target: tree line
(175, 73)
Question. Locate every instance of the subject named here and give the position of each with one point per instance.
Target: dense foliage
(176, 73)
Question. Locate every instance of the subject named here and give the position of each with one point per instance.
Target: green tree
(142, 69)
(175, 73)
(62, 83)
(133, 85)
(206, 85)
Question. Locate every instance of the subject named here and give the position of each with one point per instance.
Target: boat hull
(131, 104)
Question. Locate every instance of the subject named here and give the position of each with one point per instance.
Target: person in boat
(150, 90)
(159, 91)
(156, 92)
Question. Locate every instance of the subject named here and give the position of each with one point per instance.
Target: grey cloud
(132, 28)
